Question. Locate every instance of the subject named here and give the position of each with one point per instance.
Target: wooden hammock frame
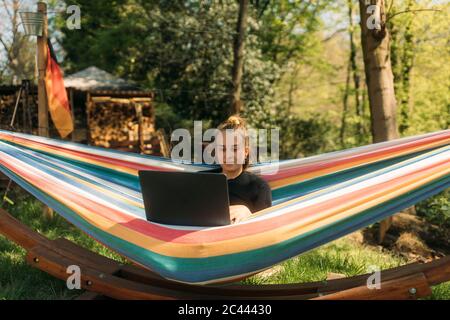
(104, 277)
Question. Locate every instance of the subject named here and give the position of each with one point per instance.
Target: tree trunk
(238, 63)
(345, 109)
(375, 40)
(356, 78)
(407, 62)
(378, 70)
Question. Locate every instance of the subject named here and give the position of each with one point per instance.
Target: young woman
(248, 193)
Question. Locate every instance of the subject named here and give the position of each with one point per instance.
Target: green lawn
(20, 281)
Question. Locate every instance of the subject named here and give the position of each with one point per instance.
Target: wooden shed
(107, 111)
(113, 113)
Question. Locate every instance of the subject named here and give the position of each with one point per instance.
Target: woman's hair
(236, 122)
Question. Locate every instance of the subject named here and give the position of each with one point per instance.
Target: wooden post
(42, 65)
(138, 109)
(42, 95)
(72, 110)
(384, 228)
(164, 145)
(89, 105)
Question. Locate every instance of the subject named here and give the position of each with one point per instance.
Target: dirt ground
(409, 236)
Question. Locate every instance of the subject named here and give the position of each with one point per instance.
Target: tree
(375, 40)
(402, 52)
(379, 77)
(404, 20)
(238, 62)
(353, 71)
(181, 50)
(19, 50)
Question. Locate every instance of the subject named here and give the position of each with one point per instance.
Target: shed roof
(94, 78)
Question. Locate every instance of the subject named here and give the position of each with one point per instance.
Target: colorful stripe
(316, 200)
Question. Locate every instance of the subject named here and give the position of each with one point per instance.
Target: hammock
(315, 200)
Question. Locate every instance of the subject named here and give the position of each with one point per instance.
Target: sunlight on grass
(20, 281)
(342, 256)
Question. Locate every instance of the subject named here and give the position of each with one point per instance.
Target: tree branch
(263, 9)
(409, 11)
(390, 7)
(6, 9)
(8, 50)
(331, 36)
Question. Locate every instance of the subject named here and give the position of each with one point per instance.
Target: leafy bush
(436, 209)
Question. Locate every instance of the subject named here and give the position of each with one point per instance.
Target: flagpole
(42, 65)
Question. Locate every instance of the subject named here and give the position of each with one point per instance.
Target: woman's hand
(239, 213)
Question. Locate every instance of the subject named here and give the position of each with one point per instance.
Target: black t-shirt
(250, 190)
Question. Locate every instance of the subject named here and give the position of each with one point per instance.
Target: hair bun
(234, 120)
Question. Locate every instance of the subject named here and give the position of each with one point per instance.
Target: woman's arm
(239, 213)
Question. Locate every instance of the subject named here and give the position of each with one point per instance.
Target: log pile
(106, 119)
(115, 123)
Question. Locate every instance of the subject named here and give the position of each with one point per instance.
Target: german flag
(58, 103)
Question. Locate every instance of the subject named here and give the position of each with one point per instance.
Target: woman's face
(231, 149)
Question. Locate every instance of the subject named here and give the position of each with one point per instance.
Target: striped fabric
(316, 200)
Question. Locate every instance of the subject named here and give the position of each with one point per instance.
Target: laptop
(185, 198)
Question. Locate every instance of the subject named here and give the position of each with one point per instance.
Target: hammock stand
(104, 278)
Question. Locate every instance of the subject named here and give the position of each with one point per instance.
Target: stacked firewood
(114, 121)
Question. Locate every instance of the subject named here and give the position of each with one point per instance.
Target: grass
(20, 281)
(343, 256)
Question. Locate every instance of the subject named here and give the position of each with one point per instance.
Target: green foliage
(440, 292)
(167, 119)
(287, 31)
(436, 209)
(181, 50)
(420, 53)
(299, 137)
